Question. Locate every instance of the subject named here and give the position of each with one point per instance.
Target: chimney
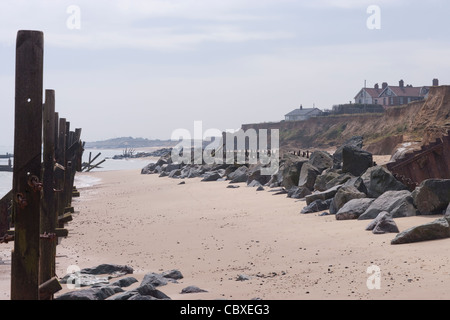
(301, 107)
(401, 83)
(435, 82)
(377, 86)
(384, 85)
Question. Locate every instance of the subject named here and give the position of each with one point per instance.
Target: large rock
(432, 196)
(344, 195)
(238, 175)
(447, 212)
(380, 181)
(323, 179)
(355, 160)
(289, 172)
(255, 175)
(356, 141)
(108, 269)
(397, 203)
(354, 208)
(383, 223)
(358, 183)
(324, 195)
(211, 176)
(316, 206)
(99, 293)
(298, 192)
(321, 160)
(437, 229)
(340, 179)
(150, 290)
(155, 279)
(308, 175)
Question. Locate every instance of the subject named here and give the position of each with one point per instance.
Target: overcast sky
(146, 68)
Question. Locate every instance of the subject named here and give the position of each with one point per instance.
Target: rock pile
(347, 184)
(98, 279)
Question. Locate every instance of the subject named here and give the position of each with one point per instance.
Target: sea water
(84, 180)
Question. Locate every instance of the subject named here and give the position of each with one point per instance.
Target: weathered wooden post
(5, 205)
(61, 159)
(27, 164)
(48, 208)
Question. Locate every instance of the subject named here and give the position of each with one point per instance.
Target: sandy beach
(212, 234)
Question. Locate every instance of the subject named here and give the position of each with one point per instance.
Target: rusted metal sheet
(430, 162)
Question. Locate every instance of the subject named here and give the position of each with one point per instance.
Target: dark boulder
(108, 269)
(437, 229)
(124, 282)
(298, 192)
(432, 196)
(324, 178)
(354, 208)
(339, 180)
(317, 206)
(149, 290)
(308, 175)
(355, 160)
(155, 279)
(289, 172)
(344, 195)
(192, 289)
(100, 293)
(356, 141)
(211, 176)
(255, 175)
(321, 160)
(324, 195)
(397, 203)
(238, 175)
(383, 223)
(380, 181)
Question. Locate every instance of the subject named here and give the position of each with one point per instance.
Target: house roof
(406, 91)
(373, 92)
(301, 112)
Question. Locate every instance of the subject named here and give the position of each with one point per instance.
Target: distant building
(302, 114)
(368, 95)
(388, 96)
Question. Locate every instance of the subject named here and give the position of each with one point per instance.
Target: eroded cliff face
(422, 121)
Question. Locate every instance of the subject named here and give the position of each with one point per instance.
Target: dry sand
(212, 234)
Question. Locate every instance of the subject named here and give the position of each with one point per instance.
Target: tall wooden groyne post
(27, 164)
(46, 156)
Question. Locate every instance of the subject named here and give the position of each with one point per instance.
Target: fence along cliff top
(40, 200)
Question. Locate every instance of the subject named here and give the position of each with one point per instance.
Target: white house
(302, 114)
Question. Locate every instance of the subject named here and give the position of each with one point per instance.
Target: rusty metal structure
(432, 161)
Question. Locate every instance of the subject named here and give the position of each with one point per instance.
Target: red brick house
(389, 96)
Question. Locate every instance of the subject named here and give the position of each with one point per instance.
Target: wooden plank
(61, 232)
(5, 209)
(49, 288)
(66, 217)
(48, 208)
(27, 163)
(68, 164)
(61, 159)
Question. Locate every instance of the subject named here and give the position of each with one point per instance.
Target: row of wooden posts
(46, 157)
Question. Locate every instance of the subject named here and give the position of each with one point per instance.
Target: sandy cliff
(422, 121)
